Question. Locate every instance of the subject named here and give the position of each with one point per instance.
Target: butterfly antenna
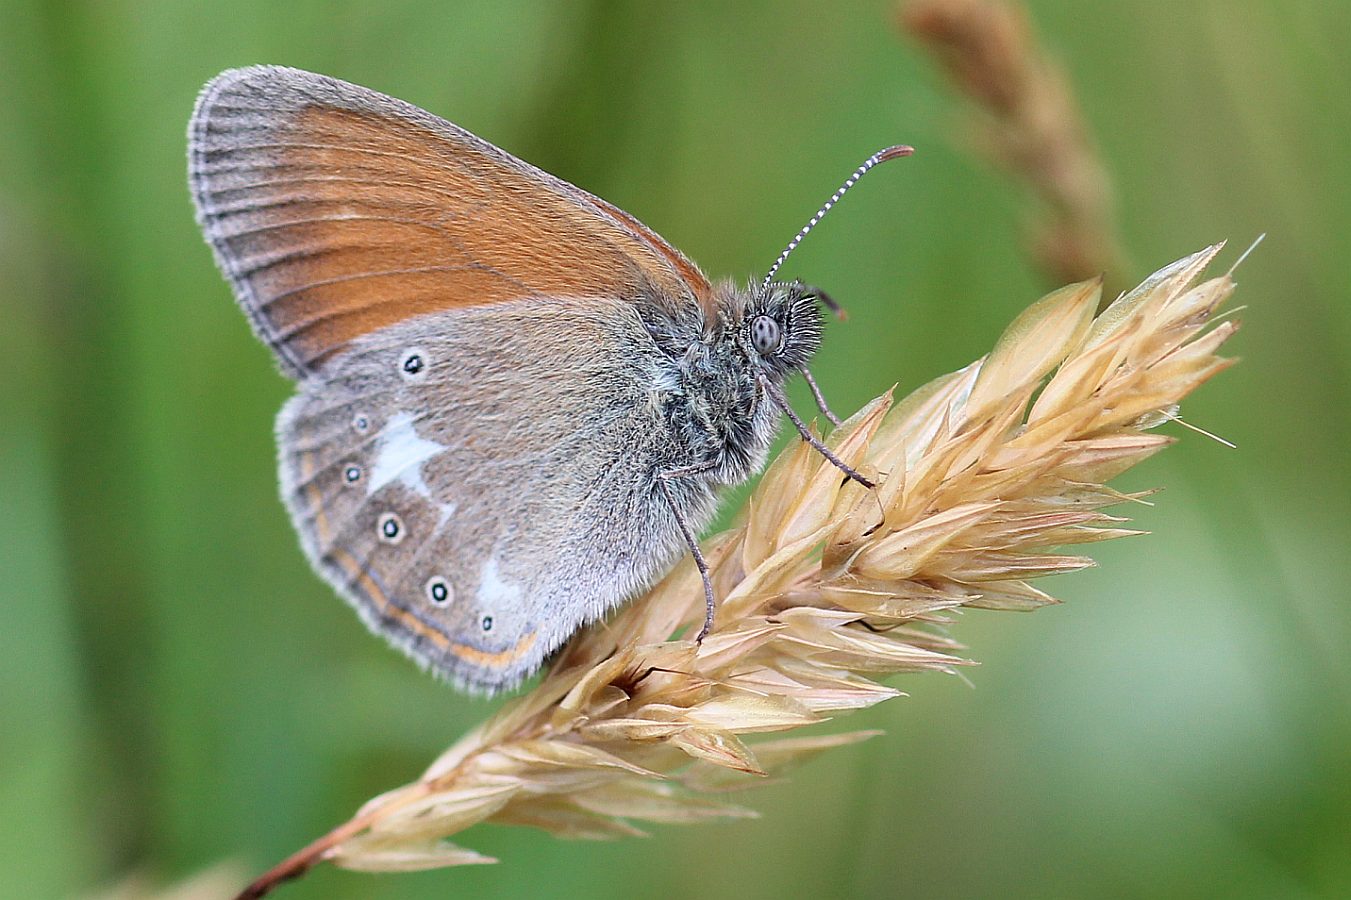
(878, 157)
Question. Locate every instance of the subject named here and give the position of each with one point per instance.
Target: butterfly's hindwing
(479, 482)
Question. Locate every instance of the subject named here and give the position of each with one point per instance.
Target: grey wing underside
(479, 509)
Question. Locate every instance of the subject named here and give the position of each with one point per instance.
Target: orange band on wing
(316, 498)
(373, 592)
(416, 625)
(494, 660)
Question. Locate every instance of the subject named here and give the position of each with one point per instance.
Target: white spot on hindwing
(495, 592)
(443, 511)
(400, 455)
(493, 589)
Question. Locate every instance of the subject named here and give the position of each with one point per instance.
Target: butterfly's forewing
(336, 211)
(479, 534)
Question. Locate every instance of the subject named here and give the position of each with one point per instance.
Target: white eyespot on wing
(400, 455)
(390, 528)
(440, 591)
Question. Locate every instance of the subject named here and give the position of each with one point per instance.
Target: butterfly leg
(819, 397)
(663, 482)
(781, 401)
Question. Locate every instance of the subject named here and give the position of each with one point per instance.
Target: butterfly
(515, 403)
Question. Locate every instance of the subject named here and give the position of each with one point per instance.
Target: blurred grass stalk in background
(825, 587)
(1029, 123)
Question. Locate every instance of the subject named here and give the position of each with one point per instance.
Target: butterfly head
(781, 328)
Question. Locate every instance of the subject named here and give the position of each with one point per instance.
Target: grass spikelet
(984, 476)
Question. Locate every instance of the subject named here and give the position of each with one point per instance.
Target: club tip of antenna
(878, 157)
(895, 152)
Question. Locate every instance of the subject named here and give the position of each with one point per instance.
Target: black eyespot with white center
(487, 623)
(439, 591)
(351, 474)
(413, 364)
(391, 528)
(361, 424)
(765, 335)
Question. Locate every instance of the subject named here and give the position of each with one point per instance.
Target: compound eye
(765, 335)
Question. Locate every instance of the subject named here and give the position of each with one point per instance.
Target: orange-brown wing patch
(693, 277)
(336, 211)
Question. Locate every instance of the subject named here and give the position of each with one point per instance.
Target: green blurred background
(178, 689)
